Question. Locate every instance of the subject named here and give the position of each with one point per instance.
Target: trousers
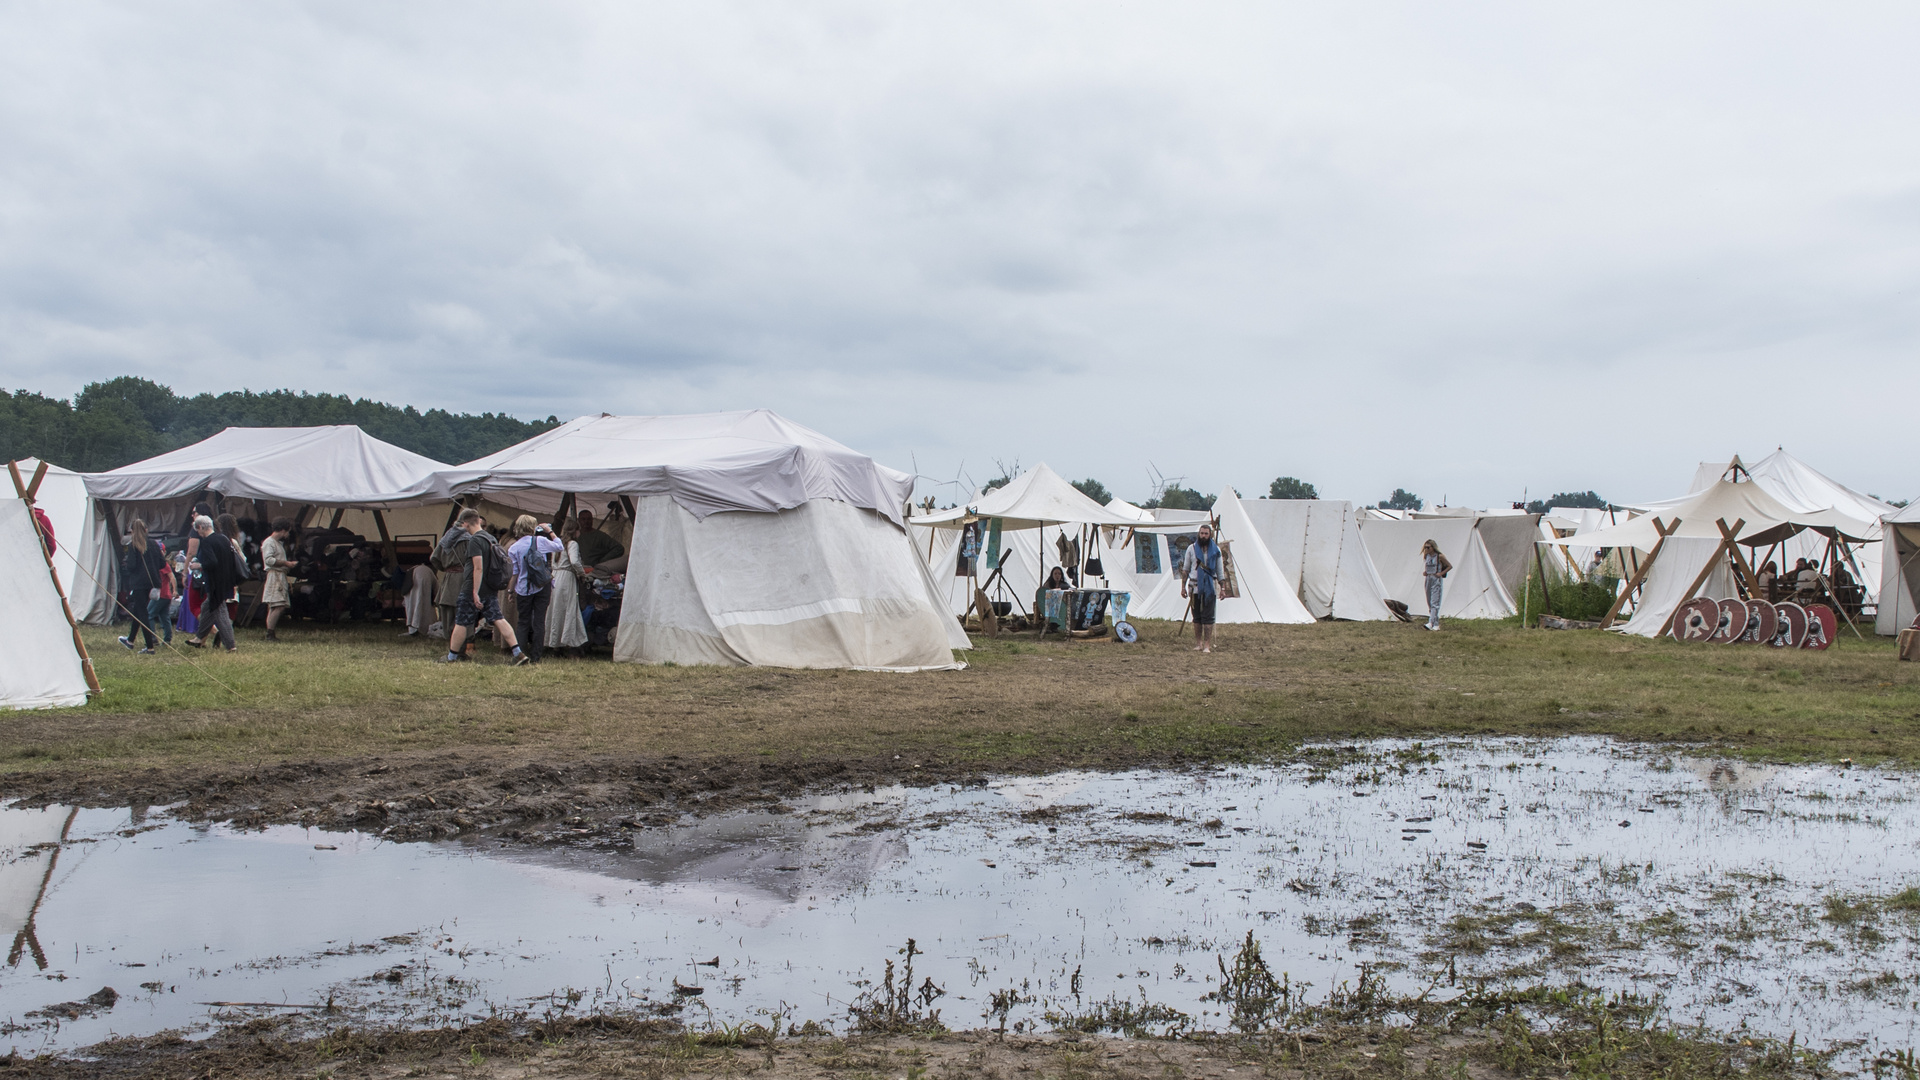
(214, 618)
(531, 626)
(1433, 601)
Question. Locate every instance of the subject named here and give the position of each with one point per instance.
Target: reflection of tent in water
(31, 842)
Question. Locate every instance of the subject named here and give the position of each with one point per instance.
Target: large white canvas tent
(1900, 571)
(1693, 537)
(1316, 543)
(42, 666)
(85, 551)
(755, 540)
(1474, 590)
(1802, 489)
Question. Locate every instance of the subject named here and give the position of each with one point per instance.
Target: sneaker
(523, 658)
(196, 643)
(451, 658)
(411, 632)
(125, 641)
(271, 636)
(146, 652)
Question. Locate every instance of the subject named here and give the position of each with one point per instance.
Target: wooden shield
(1761, 620)
(1792, 628)
(1733, 622)
(1697, 620)
(1821, 625)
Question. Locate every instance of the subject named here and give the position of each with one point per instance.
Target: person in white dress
(565, 630)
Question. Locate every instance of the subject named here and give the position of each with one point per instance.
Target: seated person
(1806, 578)
(1056, 580)
(598, 551)
(1768, 575)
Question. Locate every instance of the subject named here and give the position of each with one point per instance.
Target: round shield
(1697, 620)
(1733, 621)
(1124, 633)
(1761, 619)
(1821, 625)
(1792, 627)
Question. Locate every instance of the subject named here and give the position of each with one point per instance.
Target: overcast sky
(1467, 249)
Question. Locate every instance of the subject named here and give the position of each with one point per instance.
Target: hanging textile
(1146, 553)
(993, 543)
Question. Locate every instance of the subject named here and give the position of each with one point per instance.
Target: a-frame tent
(45, 664)
(85, 552)
(1316, 543)
(1266, 595)
(1900, 571)
(1474, 590)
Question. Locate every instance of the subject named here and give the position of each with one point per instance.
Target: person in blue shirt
(1199, 579)
(532, 540)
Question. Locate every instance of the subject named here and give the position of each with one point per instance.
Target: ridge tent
(1689, 529)
(1316, 543)
(1267, 595)
(85, 556)
(755, 540)
(1900, 572)
(1474, 590)
(44, 665)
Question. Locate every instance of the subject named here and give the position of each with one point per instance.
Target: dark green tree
(1402, 499)
(1182, 498)
(1288, 487)
(1585, 499)
(1095, 490)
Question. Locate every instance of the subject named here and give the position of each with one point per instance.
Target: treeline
(120, 421)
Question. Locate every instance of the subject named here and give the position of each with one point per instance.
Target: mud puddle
(1781, 899)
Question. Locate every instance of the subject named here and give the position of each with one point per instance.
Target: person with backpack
(531, 552)
(487, 571)
(447, 563)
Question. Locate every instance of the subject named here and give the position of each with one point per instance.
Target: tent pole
(566, 510)
(338, 513)
(79, 646)
(1740, 564)
(386, 542)
(1842, 607)
(1726, 541)
(1640, 574)
(1546, 598)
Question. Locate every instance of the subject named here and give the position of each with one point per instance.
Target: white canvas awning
(1766, 517)
(707, 463)
(1035, 498)
(326, 466)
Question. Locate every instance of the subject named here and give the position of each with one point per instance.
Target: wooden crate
(1910, 644)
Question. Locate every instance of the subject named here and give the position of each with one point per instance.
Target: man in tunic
(273, 558)
(1199, 579)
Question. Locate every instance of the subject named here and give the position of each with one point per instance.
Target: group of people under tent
(1803, 581)
(531, 588)
(193, 586)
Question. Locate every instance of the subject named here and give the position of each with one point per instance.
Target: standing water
(1777, 897)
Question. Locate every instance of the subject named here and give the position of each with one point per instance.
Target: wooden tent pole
(1828, 582)
(1726, 541)
(386, 541)
(1546, 598)
(1640, 574)
(566, 509)
(79, 646)
(33, 486)
(338, 513)
(1740, 563)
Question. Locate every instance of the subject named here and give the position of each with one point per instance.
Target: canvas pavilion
(754, 540)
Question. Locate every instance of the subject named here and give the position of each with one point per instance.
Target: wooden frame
(1640, 575)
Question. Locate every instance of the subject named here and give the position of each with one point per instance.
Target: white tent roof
(1698, 514)
(1474, 589)
(85, 552)
(329, 466)
(1036, 497)
(1798, 486)
(1316, 543)
(708, 462)
(40, 668)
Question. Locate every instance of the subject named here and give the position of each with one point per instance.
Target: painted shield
(1821, 625)
(1791, 630)
(1697, 620)
(1733, 621)
(1761, 619)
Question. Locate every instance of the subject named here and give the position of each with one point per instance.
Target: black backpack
(497, 571)
(536, 569)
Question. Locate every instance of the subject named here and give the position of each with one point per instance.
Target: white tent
(42, 666)
(85, 555)
(1695, 537)
(1900, 571)
(1316, 543)
(1803, 489)
(755, 540)
(323, 466)
(1266, 593)
(1473, 590)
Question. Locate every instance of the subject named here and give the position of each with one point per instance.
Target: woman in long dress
(565, 630)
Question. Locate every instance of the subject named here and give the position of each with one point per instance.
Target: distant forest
(120, 421)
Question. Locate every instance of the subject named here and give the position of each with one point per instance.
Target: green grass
(359, 690)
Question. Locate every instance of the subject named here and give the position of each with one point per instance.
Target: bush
(1571, 599)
